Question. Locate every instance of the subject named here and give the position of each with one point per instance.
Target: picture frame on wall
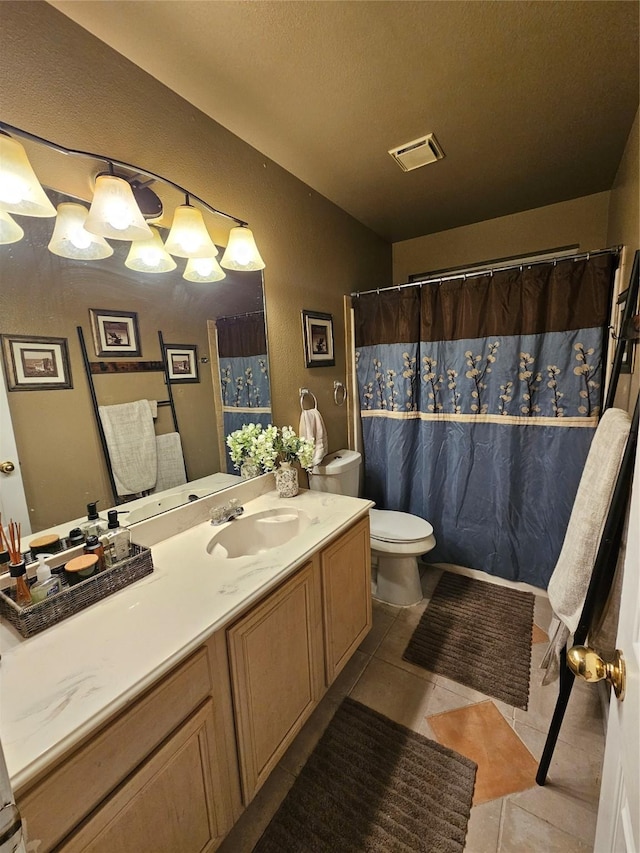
(182, 362)
(36, 363)
(317, 329)
(115, 333)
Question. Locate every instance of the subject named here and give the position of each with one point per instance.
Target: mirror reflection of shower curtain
(244, 373)
(479, 398)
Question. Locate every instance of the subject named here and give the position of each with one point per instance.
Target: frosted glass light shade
(20, 190)
(70, 239)
(114, 212)
(203, 270)
(189, 237)
(10, 231)
(241, 252)
(150, 255)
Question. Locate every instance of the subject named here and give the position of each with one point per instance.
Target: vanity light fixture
(20, 190)
(70, 239)
(114, 212)
(188, 237)
(241, 252)
(10, 231)
(150, 255)
(203, 270)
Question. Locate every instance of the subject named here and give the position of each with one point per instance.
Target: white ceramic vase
(286, 480)
(249, 469)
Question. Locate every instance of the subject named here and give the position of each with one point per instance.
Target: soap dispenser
(45, 584)
(116, 541)
(94, 525)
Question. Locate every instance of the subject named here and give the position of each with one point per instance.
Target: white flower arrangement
(269, 445)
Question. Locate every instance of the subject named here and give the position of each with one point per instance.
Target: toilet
(397, 538)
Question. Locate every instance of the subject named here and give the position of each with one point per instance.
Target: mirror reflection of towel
(312, 426)
(131, 441)
(170, 461)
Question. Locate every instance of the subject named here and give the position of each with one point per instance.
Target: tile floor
(511, 814)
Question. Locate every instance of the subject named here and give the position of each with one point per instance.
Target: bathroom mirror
(42, 294)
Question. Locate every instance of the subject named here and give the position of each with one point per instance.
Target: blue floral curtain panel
(479, 399)
(244, 372)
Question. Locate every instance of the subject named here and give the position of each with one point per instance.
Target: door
(13, 503)
(618, 829)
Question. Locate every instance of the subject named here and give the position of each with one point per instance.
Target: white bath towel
(312, 426)
(131, 441)
(572, 573)
(170, 461)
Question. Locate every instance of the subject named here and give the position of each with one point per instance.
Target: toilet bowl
(397, 538)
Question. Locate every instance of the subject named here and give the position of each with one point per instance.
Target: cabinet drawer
(64, 797)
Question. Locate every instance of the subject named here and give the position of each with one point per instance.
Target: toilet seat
(401, 527)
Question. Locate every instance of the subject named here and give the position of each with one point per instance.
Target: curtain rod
(613, 250)
(9, 129)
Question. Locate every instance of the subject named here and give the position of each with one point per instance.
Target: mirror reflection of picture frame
(182, 362)
(36, 363)
(318, 339)
(115, 333)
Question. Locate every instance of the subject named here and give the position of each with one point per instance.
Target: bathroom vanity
(150, 720)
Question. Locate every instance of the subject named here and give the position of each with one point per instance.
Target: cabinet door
(276, 671)
(346, 596)
(167, 805)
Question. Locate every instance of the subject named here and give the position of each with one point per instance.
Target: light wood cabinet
(346, 596)
(169, 804)
(275, 653)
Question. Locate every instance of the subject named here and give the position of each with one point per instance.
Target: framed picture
(182, 362)
(115, 333)
(317, 329)
(36, 363)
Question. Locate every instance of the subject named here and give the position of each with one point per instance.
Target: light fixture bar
(32, 137)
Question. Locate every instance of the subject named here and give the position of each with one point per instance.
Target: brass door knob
(587, 663)
(7, 467)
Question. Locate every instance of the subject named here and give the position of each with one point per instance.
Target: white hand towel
(572, 573)
(131, 441)
(312, 426)
(170, 461)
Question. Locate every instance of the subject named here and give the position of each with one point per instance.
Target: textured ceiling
(531, 101)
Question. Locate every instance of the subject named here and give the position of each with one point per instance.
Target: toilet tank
(338, 473)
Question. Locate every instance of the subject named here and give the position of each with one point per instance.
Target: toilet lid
(389, 526)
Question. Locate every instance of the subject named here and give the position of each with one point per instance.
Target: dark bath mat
(478, 634)
(373, 786)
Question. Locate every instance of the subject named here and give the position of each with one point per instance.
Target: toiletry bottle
(45, 584)
(19, 572)
(75, 537)
(116, 541)
(94, 546)
(94, 525)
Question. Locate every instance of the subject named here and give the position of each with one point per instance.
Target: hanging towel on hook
(131, 441)
(312, 426)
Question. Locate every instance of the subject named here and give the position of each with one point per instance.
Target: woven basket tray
(36, 617)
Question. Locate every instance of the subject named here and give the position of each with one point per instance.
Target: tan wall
(581, 222)
(624, 229)
(61, 83)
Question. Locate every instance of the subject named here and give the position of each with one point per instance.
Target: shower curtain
(479, 398)
(244, 373)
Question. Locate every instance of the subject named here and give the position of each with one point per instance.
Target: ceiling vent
(417, 153)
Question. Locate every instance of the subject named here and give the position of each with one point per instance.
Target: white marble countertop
(59, 685)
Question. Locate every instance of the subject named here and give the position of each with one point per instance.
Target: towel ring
(305, 392)
(338, 397)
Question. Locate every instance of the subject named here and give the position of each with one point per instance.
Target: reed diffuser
(10, 542)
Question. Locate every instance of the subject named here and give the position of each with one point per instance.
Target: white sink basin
(155, 507)
(255, 534)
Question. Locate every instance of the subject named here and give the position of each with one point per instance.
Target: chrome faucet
(226, 512)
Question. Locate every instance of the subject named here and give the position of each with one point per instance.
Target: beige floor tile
(245, 834)
(538, 635)
(483, 832)
(480, 732)
(397, 694)
(561, 808)
(523, 832)
(345, 682)
(542, 612)
(395, 642)
(295, 757)
(384, 607)
(575, 771)
(473, 696)
(382, 621)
